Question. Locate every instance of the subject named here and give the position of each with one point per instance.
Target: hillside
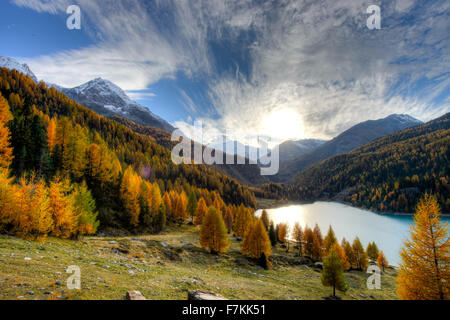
(53, 136)
(293, 149)
(388, 174)
(163, 267)
(357, 135)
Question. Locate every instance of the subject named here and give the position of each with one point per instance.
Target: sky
(280, 69)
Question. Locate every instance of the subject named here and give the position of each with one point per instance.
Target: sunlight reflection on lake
(388, 231)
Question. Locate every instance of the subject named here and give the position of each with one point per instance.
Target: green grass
(109, 270)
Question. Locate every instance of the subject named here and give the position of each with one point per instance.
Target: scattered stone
(372, 297)
(187, 245)
(165, 245)
(204, 295)
(30, 293)
(27, 259)
(135, 295)
(131, 272)
(318, 265)
(239, 239)
(362, 295)
(58, 283)
(112, 242)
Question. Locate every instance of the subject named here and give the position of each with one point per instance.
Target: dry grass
(112, 266)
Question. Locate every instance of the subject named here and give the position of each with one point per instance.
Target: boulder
(204, 295)
(135, 295)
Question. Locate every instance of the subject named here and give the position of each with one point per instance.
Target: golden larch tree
(213, 233)
(424, 272)
(329, 241)
(342, 256)
(129, 193)
(298, 236)
(348, 252)
(61, 208)
(200, 212)
(382, 261)
(51, 133)
(5, 148)
(256, 241)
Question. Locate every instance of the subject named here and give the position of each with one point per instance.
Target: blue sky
(285, 69)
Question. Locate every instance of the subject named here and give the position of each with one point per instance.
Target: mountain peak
(107, 98)
(404, 118)
(13, 64)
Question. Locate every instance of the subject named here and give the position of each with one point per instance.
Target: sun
(282, 124)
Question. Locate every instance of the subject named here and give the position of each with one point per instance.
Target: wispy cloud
(314, 58)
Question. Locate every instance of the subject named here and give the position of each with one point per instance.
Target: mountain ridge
(351, 138)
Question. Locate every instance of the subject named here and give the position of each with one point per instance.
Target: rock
(187, 245)
(30, 293)
(204, 295)
(58, 283)
(135, 295)
(318, 265)
(27, 259)
(165, 245)
(362, 295)
(112, 242)
(239, 239)
(131, 272)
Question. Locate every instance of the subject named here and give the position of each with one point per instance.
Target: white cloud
(314, 58)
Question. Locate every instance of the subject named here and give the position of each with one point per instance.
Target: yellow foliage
(213, 233)
(425, 269)
(256, 240)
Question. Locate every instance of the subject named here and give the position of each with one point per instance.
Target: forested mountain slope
(388, 174)
(52, 135)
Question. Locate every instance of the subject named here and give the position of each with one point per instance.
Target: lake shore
(262, 203)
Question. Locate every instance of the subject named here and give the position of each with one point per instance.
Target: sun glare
(283, 124)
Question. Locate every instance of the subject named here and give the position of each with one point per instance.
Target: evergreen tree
(192, 205)
(228, 219)
(273, 235)
(333, 272)
(85, 209)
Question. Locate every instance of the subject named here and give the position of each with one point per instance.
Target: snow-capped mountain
(106, 98)
(12, 64)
